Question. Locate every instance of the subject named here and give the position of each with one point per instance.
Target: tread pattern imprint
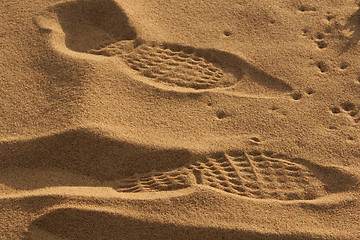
(111, 34)
(254, 174)
(173, 65)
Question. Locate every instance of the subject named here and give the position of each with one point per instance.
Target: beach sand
(165, 119)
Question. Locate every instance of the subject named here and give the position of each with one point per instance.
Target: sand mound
(167, 217)
(84, 224)
(107, 158)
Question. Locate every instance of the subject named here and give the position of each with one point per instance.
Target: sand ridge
(179, 119)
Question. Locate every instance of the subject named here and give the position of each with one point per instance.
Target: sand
(165, 119)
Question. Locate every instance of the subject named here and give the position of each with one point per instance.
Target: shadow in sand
(72, 223)
(353, 26)
(91, 24)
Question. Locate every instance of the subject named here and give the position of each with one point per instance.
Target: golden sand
(165, 119)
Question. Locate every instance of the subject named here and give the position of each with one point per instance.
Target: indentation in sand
(169, 65)
(349, 109)
(263, 175)
(110, 34)
(190, 67)
(87, 24)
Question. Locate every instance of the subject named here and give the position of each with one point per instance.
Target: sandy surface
(165, 119)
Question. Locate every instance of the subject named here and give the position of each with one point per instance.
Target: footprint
(190, 67)
(174, 66)
(156, 181)
(350, 109)
(320, 38)
(108, 33)
(261, 175)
